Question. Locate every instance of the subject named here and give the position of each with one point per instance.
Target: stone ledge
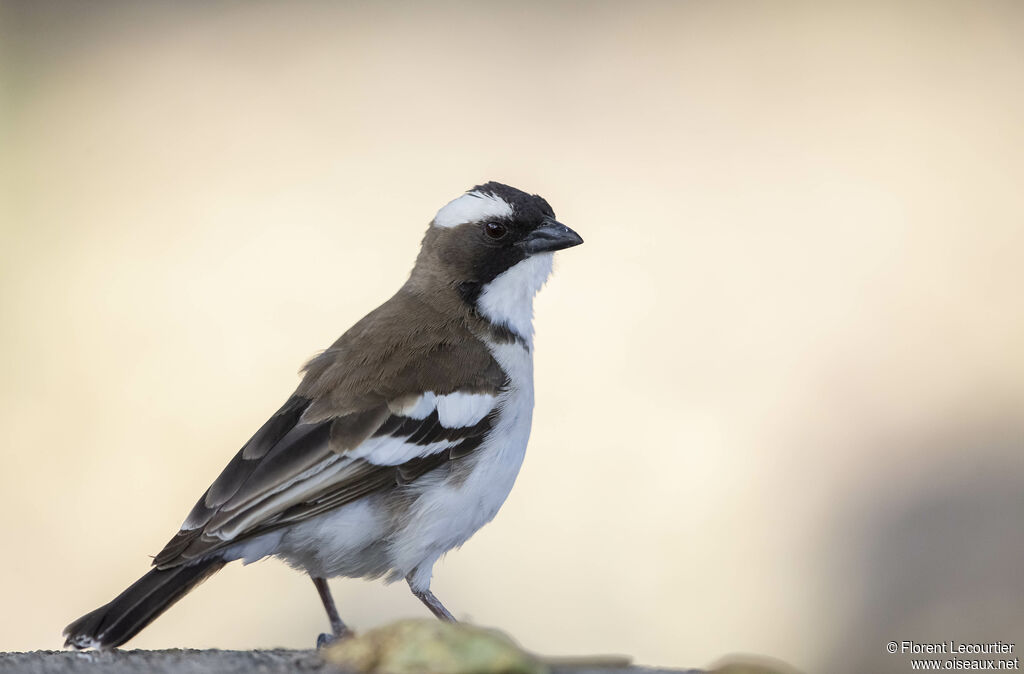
(182, 661)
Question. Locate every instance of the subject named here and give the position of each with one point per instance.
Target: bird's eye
(495, 230)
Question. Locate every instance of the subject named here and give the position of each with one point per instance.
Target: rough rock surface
(180, 661)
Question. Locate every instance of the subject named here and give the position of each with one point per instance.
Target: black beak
(550, 236)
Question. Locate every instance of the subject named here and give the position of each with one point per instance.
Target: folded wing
(292, 469)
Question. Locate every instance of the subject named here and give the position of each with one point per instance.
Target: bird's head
(494, 245)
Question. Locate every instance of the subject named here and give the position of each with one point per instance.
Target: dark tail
(111, 625)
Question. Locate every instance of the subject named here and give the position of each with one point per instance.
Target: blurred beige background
(780, 389)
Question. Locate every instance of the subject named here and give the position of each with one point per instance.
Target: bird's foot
(325, 639)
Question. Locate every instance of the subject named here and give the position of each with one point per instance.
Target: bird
(403, 438)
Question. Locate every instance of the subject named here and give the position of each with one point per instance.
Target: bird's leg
(432, 602)
(337, 626)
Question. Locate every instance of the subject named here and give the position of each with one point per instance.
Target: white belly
(448, 513)
(374, 536)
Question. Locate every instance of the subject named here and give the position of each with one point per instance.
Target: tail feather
(126, 615)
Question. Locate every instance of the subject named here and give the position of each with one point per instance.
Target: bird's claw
(325, 639)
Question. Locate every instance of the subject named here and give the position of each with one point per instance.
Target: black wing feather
(279, 452)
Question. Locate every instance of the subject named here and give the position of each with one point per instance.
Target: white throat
(508, 299)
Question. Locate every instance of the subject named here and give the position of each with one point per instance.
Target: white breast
(363, 539)
(448, 513)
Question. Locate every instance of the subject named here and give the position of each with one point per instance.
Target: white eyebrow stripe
(472, 207)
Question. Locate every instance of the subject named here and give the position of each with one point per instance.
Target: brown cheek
(457, 249)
